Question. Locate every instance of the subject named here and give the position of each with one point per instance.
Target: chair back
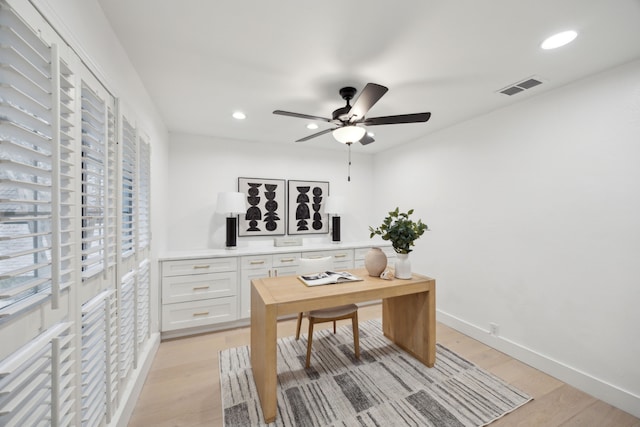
(315, 265)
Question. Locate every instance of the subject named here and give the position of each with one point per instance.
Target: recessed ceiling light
(558, 40)
(239, 115)
(312, 126)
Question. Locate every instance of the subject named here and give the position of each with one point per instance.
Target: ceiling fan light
(349, 134)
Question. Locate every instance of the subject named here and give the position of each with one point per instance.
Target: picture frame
(305, 211)
(266, 209)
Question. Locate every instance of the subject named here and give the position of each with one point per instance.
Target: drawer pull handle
(340, 255)
(199, 288)
(257, 262)
(201, 313)
(195, 267)
(316, 257)
(287, 259)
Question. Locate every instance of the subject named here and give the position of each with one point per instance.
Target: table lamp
(232, 204)
(335, 205)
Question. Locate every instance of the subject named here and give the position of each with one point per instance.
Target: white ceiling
(201, 60)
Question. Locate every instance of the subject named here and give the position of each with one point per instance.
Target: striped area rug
(386, 387)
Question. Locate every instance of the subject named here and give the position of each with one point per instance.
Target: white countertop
(268, 249)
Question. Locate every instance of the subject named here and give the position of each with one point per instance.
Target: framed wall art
(265, 214)
(306, 207)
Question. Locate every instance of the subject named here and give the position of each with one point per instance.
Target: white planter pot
(402, 267)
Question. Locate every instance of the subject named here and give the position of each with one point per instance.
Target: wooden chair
(333, 314)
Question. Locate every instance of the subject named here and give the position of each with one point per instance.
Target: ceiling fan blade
(300, 116)
(392, 120)
(368, 97)
(366, 139)
(306, 138)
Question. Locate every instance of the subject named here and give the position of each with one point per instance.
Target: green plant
(400, 230)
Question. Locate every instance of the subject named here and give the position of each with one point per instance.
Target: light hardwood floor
(183, 387)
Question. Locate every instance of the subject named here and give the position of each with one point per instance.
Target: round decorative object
(375, 261)
(402, 267)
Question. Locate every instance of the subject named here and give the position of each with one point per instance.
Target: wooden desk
(408, 318)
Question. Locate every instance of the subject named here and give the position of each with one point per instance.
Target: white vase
(375, 261)
(402, 267)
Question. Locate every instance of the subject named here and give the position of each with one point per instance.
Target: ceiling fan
(350, 120)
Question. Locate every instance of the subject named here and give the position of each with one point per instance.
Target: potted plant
(402, 231)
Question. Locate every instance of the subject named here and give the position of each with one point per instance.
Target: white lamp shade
(349, 134)
(231, 203)
(334, 205)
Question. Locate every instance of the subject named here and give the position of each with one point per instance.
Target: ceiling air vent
(521, 86)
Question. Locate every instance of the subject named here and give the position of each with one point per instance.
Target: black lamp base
(335, 224)
(231, 232)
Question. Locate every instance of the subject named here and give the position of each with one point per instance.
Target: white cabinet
(213, 291)
(259, 266)
(342, 258)
(199, 292)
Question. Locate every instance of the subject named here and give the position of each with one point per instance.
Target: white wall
(200, 167)
(535, 217)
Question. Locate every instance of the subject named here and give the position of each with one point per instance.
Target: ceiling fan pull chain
(349, 167)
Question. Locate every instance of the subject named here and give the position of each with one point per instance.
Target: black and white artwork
(265, 207)
(306, 207)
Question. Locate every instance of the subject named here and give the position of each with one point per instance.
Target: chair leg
(334, 326)
(299, 325)
(309, 340)
(356, 334)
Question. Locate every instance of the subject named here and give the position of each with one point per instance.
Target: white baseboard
(132, 391)
(583, 381)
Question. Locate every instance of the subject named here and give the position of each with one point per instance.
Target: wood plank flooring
(183, 387)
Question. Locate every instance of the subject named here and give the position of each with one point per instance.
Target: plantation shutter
(94, 177)
(26, 162)
(144, 190)
(127, 325)
(37, 381)
(143, 302)
(129, 165)
(99, 359)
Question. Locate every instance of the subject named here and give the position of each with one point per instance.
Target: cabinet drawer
(199, 266)
(255, 262)
(199, 313)
(341, 265)
(286, 260)
(199, 286)
(342, 255)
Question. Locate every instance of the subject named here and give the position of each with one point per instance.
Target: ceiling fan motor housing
(347, 93)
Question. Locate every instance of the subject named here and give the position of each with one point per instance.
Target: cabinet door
(253, 267)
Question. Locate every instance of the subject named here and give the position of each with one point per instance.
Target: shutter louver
(26, 161)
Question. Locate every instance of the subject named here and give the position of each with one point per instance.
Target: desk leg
(410, 322)
(263, 354)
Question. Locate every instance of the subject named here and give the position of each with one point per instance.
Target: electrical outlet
(494, 329)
